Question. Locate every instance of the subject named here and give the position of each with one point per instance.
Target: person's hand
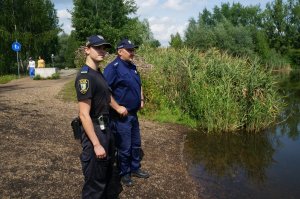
(122, 111)
(99, 151)
(142, 104)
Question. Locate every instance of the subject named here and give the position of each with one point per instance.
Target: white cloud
(65, 20)
(169, 16)
(184, 5)
(63, 14)
(146, 3)
(162, 28)
(173, 4)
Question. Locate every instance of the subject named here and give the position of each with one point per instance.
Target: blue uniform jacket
(125, 82)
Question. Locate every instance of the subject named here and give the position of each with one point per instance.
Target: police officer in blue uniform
(124, 80)
(94, 100)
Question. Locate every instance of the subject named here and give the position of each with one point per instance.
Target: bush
(37, 77)
(54, 76)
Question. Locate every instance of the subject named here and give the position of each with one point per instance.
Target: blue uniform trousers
(101, 179)
(128, 142)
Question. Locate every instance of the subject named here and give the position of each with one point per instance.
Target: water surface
(247, 165)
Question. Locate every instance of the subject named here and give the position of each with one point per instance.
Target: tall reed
(213, 90)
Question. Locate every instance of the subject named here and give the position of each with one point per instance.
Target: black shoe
(140, 174)
(126, 180)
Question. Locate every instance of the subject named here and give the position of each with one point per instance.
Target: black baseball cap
(97, 40)
(127, 44)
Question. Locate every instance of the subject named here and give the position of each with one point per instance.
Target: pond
(251, 165)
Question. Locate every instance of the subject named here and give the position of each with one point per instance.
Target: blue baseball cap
(125, 43)
(97, 40)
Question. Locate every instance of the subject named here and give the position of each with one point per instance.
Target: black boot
(140, 174)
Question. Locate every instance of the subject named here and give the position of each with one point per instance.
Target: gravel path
(40, 158)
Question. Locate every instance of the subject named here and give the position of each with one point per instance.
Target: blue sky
(166, 17)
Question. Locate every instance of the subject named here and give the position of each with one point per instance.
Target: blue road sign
(16, 46)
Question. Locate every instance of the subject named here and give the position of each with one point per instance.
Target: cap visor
(107, 45)
(128, 47)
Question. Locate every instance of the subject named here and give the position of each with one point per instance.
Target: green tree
(207, 18)
(276, 25)
(176, 41)
(235, 39)
(68, 45)
(110, 18)
(190, 36)
(146, 34)
(34, 24)
(293, 31)
(248, 30)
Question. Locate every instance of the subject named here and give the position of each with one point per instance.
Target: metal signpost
(52, 58)
(16, 46)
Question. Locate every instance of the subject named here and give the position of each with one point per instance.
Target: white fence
(45, 72)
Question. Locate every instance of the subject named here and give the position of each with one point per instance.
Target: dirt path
(40, 158)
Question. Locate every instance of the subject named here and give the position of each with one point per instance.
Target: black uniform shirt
(90, 84)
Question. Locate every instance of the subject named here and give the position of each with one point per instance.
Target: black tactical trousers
(101, 179)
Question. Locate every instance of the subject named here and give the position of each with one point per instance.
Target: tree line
(271, 34)
(34, 24)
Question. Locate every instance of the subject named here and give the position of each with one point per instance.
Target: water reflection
(262, 165)
(290, 87)
(225, 154)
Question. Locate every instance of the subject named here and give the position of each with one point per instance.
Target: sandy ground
(40, 158)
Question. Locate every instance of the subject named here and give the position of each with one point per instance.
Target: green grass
(165, 115)
(7, 78)
(68, 92)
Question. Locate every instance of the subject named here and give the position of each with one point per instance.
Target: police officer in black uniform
(94, 100)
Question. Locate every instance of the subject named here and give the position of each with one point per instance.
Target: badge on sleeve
(83, 85)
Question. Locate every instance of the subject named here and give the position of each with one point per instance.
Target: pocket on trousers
(85, 158)
(101, 169)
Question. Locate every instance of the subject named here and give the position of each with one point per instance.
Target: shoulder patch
(84, 69)
(84, 85)
(115, 64)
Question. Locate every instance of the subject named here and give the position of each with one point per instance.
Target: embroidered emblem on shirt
(83, 85)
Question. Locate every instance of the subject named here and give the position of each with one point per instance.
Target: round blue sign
(16, 46)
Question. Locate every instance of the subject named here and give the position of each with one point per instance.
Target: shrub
(37, 77)
(55, 76)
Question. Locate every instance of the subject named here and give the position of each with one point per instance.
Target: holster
(77, 128)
